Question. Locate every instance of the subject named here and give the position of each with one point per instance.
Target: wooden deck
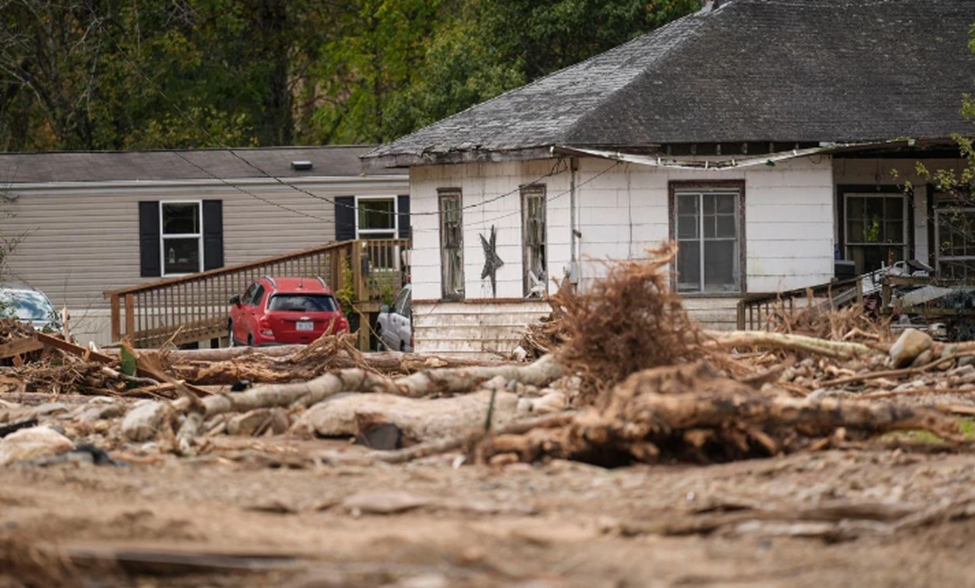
(195, 308)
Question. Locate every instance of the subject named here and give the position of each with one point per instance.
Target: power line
(265, 174)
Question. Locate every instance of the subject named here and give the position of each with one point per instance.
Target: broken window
(182, 239)
(533, 215)
(708, 232)
(955, 238)
(451, 245)
(876, 230)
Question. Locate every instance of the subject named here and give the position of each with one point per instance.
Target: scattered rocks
(911, 344)
(33, 443)
(143, 421)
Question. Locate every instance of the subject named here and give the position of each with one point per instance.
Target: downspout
(573, 230)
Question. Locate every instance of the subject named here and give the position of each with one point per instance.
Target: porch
(194, 308)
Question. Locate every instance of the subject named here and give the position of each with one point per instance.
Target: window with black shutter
(180, 237)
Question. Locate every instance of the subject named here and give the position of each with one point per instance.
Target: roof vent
(301, 165)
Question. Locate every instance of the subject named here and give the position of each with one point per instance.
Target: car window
(302, 303)
(401, 299)
(406, 308)
(258, 296)
(26, 305)
(248, 294)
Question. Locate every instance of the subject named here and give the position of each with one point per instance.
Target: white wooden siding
(488, 328)
(623, 209)
(81, 240)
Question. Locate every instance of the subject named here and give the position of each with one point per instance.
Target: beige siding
(81, 240)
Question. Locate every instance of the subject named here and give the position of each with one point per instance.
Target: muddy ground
(236, 517)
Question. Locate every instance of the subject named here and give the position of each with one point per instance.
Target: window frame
(527, 192)
(904, 245)
(442, 195)
(365, 234)
(936, 217)
(163, 236)
(675, 188)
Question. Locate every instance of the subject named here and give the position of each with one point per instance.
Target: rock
(962, 370)
(421, 419)
(382, 436)
(925, 358)
(391, 502)
(519, 354)
(496, 383)
(908, 347)
(33, 443)
(967, 360)
(143, 421)
(552, 402)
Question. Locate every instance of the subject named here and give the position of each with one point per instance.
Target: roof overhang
(718, 163)
(457, 156)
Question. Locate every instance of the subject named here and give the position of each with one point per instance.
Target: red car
(280, 311)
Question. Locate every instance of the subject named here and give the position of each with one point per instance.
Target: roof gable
(750, 70)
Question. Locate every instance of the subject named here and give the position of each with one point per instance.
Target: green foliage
(93, 74)
(346, 294)
(128, 361)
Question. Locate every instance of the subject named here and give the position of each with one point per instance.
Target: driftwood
(797, 343)
(422, 384)
(210, 368)
(692, 414)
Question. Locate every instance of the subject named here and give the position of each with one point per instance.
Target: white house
(768, 138)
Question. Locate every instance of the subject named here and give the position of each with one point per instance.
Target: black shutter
(403, 206)
(345, 218)
(149, 248)
(212, 234)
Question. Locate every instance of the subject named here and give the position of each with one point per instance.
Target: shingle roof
(108, 166)
(749, 70)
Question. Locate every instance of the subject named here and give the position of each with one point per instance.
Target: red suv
(279, 311)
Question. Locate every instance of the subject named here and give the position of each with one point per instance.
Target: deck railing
(195, 308)
(755, 310)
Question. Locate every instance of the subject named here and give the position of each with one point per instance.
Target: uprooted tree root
(627, 322)
(689, 413)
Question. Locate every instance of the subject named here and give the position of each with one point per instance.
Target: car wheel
(230, 330)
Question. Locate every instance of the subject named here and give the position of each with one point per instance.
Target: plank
(19, 347)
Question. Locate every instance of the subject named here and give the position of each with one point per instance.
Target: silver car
(393, 327)
(29, 306)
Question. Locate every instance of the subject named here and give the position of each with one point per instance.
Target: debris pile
(629, 378)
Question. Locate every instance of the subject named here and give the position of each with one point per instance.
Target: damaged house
(768, 138)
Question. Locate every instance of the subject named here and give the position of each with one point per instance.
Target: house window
(376, 217)
(533, 214)
(955, 239)
(451, 245)
(876, 230)
(707, 225)
(181, 237)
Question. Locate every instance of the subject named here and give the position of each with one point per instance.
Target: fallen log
(689, 413)
(796, 343)
(206, 369)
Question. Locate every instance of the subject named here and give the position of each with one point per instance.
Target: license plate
(306, 326)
